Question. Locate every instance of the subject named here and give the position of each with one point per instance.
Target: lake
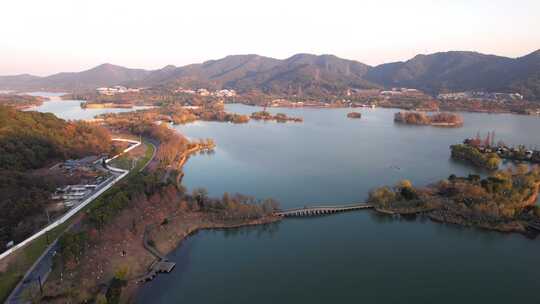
(71, 109)
(350, 257)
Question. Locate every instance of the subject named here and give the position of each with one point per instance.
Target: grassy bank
(24, 258)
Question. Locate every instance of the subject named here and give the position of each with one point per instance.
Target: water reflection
(347, 257)
(266, 230)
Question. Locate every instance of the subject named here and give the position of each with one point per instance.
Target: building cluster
(399, 92)
(532, 112)
(115, 90)
(91, 176)
(481, 96)
(73, 194)
(343, 103)
(504, 151)
(205, 92)
(284, 103)
(85, 164)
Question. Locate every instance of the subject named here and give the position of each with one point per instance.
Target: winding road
(41, 268)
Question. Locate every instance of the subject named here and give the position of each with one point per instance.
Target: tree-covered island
(279, 117)
(354, 115)
(420, 118)
(504, 201)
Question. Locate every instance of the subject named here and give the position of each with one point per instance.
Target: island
(473, 155)
(279, 117)
(437, 120)
(504, 201)
(354, 115)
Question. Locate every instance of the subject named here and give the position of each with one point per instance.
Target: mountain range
(311, 75)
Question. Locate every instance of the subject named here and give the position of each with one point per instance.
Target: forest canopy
(30, 140)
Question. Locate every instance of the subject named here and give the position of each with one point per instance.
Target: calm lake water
(352, 257)
(71, 109)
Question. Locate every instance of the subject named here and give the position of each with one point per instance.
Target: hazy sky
(43, 37)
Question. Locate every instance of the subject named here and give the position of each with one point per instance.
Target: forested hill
(30, 140)
(463, 71)
(312, 75)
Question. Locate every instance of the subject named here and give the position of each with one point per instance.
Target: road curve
(79, 207)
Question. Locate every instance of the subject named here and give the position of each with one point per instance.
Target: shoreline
(457, 220)
(166, 245)
(108, 105)
(443, 109)
(438, 215)
(181, 234)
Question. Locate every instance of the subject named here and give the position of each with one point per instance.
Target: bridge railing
(326, 207)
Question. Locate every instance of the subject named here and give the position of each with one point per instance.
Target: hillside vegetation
(463, 71)
(20, 101)
(30, 140)
(313, 75)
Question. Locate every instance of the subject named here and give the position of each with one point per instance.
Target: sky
(45, 37)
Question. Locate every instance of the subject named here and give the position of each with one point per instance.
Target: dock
(155, 268)
(160, 265)
(535, 225)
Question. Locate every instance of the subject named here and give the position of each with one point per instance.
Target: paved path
(151, 158)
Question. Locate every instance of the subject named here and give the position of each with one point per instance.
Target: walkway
(160, 265)
(151, 158)
(321, 210)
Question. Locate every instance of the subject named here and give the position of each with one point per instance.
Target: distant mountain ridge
(102, 75)
(312, 74)
(460, 71)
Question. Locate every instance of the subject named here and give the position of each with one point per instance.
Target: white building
(225, 93)
(203, 92)
(115, 90)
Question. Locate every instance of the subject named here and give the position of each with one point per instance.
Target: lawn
(143, 160)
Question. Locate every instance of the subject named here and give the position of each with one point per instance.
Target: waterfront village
(401, 97)
(111, 91)
(519, 153)
(480, 96)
